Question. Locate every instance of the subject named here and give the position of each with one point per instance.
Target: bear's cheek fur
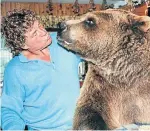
(85, 45)
(84, 41)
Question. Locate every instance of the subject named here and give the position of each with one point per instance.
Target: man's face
(36, 37)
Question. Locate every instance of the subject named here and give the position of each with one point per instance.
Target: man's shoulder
(61, 51)
(53, 34)
(14, 62)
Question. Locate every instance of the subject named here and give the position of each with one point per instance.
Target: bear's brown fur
(116, 90)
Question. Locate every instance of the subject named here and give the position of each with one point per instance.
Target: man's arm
(12, 101)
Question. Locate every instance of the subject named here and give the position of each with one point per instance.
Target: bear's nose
(62, 26)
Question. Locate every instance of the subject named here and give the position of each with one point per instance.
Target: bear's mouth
(63, 42)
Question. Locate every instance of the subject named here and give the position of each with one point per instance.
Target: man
(41, 83)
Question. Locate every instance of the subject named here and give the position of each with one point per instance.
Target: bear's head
(115, 42)
(102, 36)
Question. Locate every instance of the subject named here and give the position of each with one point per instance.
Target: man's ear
(25, 47)
(141, 22)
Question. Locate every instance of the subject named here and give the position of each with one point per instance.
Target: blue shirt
(41, 94)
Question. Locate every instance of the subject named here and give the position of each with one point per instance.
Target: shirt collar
(22, 58)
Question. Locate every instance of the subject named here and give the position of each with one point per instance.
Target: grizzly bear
(116, 90)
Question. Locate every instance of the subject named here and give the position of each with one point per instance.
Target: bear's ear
(141, 22)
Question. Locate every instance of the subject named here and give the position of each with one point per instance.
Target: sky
(116, 5)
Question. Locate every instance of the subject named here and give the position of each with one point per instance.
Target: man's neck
(41, 55)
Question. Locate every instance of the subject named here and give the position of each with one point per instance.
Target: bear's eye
(90, 22)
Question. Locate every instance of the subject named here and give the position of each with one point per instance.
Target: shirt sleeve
(12, 101)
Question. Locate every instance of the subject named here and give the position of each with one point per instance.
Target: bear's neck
(125, 76)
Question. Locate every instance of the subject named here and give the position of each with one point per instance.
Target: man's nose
(62, 26)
